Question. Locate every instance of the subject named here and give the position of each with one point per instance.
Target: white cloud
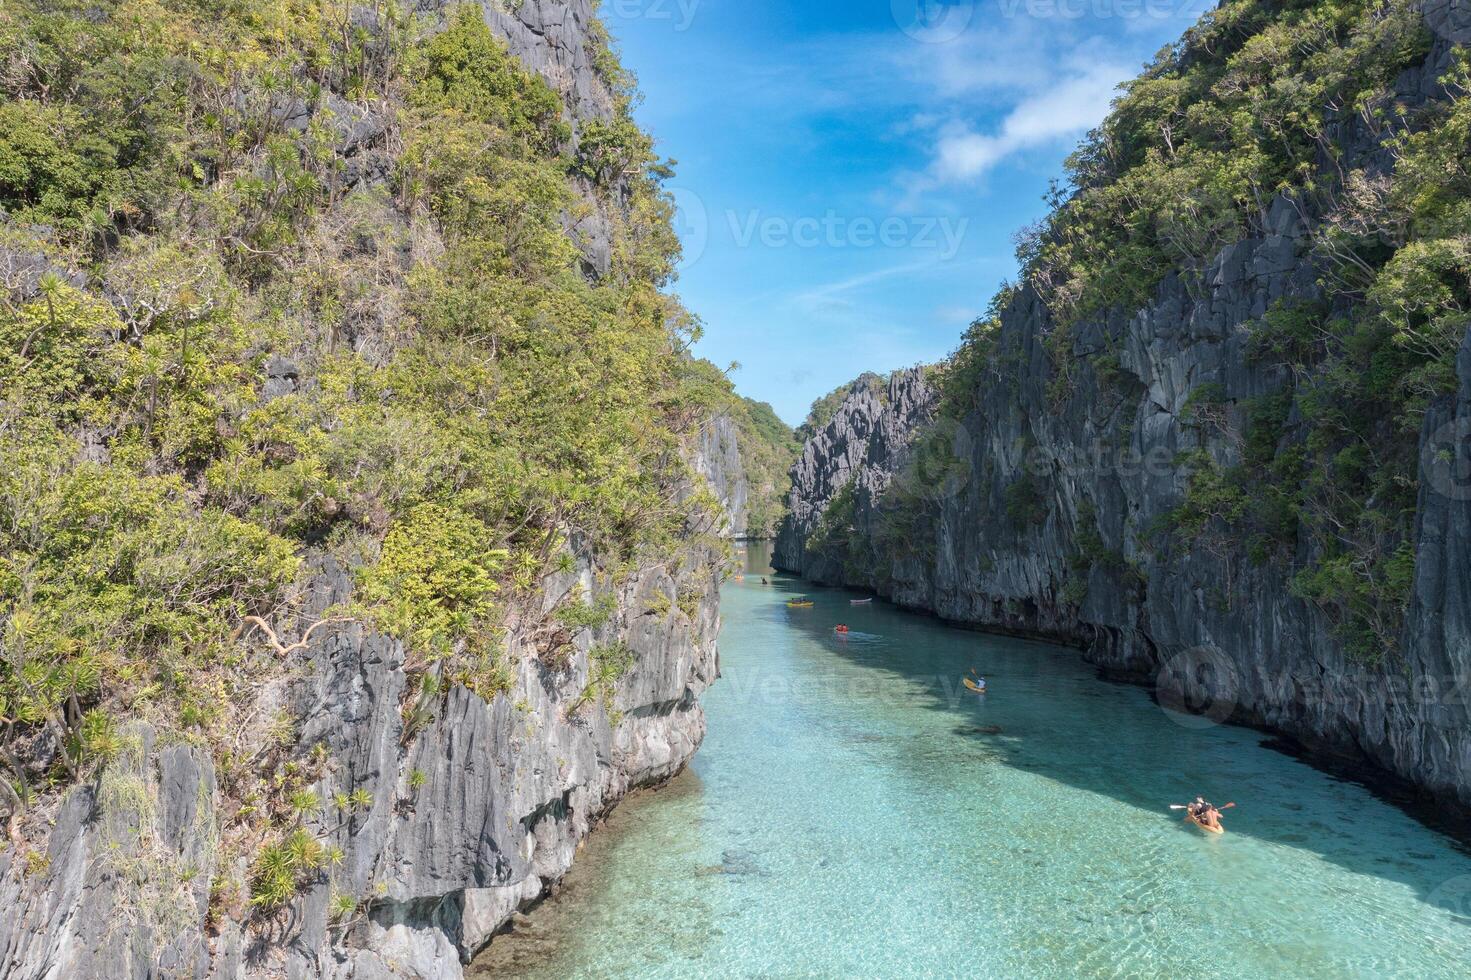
(1011, 56)
(1065, 109)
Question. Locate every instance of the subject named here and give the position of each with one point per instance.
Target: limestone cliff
(743, 453)
(455, 829)
(861, 449)
(557, 39)
(427, 812)
(718, 459)
(1039, 509)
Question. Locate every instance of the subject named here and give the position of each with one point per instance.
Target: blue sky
(850, 174)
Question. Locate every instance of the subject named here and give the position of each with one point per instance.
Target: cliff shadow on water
(857, 812)
(1048, 714)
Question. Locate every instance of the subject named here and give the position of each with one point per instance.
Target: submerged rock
(733, 862)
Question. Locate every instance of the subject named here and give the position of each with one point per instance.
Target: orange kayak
(1205, 827)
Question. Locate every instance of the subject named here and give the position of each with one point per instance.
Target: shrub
(281, 869)
(435, 581)
(579, 615)
(1026, 501)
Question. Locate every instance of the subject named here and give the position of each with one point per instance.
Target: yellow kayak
(972, 685)
(795, 604)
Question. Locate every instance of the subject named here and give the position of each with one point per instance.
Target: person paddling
(1206, 814)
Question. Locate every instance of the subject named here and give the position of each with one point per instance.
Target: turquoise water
(851, 814)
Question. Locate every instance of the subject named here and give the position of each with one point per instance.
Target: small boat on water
(860, 602)
(1204, 826)
(972, 686)
(1217, 829)
(799, 603)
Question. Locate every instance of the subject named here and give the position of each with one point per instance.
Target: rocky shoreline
(458, 828)
(983, 573)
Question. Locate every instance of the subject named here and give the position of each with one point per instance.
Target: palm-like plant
(9, 711)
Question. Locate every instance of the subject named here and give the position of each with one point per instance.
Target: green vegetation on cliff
(768, 449)
(288, 278)
(767, 446)
(1268, 112)
(1242, 108)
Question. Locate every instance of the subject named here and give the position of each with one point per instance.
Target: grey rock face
(486, 807)
(557, 40)
(282, 377)
(1450, 19)
(717, 458)
(1046, 470)
(467, 821)
(1178, 606)
(863, 445)
(21, 269)
(122, 887)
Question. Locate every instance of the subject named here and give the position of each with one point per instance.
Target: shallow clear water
(850, 813)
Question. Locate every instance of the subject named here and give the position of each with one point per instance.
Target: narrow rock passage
(854, 813)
